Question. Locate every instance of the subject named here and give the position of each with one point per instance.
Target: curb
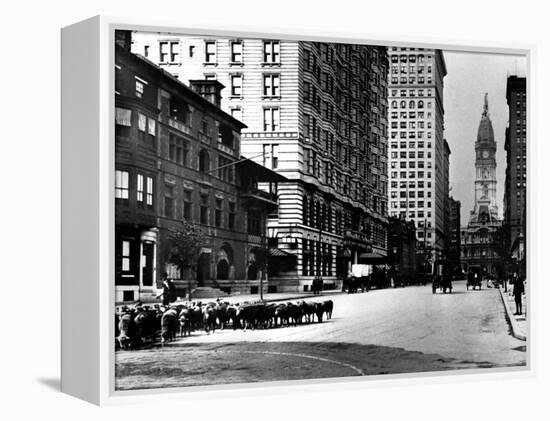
(511, 319)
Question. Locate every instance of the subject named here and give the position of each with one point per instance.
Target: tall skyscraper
(317, 114)
(419, 154)
(515, 195)
(480, 252)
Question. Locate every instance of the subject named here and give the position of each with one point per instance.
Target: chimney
(123, 39)
(208, 89)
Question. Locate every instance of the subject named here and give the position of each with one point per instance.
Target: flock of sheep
(142, 324)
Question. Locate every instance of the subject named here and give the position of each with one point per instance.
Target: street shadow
(191, 363)
(53, 383)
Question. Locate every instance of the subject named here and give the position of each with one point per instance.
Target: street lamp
(271, 232)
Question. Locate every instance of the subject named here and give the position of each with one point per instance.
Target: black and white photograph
(302, 209)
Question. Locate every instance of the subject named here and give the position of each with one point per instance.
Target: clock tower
(485, 208)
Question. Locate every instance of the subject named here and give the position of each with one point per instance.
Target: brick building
(178, 156)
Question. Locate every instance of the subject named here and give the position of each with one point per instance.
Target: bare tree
(185, 242)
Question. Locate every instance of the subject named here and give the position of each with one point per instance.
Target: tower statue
(485, 205)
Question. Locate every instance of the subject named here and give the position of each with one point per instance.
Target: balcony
(355, 236)
(178, 125)
(259, 199)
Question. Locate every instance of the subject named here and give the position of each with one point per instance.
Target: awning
(372, 256)
(251, 168)
(275, 252)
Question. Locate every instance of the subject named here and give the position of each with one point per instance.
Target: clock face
(485, 154)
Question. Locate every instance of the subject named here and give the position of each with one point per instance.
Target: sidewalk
(271, 297)
(517, 323)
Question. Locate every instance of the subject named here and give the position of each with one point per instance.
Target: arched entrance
(225, 261)
(203, 268)
(252, 270)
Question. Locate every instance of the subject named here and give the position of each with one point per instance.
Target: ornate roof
(485, 131)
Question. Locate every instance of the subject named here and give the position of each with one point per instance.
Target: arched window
(204, 161)
(403, 104)
(394, 104)
(411, 104)
(420, 104)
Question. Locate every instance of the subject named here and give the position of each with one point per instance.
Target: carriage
(442, 278)
(474, 280)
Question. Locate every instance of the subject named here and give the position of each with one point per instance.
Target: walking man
(519, 290)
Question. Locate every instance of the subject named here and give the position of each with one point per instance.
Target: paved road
(387, 331)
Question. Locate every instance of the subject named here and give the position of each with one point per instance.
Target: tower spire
(486, 105)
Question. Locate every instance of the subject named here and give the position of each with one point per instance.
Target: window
(218, 213)
(271, 156)
(168, 51)
(140, 87)
(163, 51)
(140, 186)
(123, 117)
(187, 204)
(204, 161)
(125, 255)
(178, 150)
(149, 197)
(236, 85)
(225, 169)
(272, 52)
(142, 122)
(237, 52)
(174, 52)
(210, 52)
(121, 184)
(231, 216)
(179, 110)
(271, 86)
(169, 201)
(271, 119)
(204, 209)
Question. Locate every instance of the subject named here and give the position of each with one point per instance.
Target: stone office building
(177, 156)
(419, 153)
(315, 113)
(515, 194)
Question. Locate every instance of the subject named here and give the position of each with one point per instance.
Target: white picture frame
(88, 212)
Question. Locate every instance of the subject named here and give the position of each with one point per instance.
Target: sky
(469, 76)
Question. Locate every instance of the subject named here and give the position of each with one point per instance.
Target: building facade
(178, 157)
(454, 249)
(402, 251)
(315, 113)
(418, 153)
(515, 194)
(480, 248)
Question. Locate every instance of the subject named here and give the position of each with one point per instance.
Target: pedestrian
(519, 290)
(167, 288)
